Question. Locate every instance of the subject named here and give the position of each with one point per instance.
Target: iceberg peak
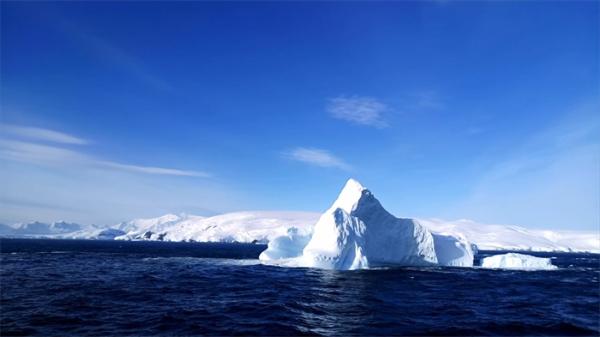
(349, 197)
(353, 184)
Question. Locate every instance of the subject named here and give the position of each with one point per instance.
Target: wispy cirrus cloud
(371, 111)
(40, 134)
(550, 179)
(154, 170)
(362, 110)
(316, 157)
(25, 151)
(41, 152)
(106, 50)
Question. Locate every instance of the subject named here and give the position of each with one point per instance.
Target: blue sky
(479, 110)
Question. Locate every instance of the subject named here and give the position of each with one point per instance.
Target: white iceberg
(356, 232)
(517, 261)
(338, 242)
(453, 250)
(285, 246)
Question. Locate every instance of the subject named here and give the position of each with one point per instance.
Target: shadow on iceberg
(356, 232)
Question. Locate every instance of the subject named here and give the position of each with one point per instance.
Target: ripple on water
(127, 293)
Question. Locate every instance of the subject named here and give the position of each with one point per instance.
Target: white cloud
(25, 151)
(38, 153)
(317, 157)
(41, 134)
(359, 110)
(104, 195)
(154, 170)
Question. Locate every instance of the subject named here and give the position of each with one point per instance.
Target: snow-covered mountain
(257, 227)
(509, 237)
(58, 230)
(264, 226)
(156, 224)
(40, 228)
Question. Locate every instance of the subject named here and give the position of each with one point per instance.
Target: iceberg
(285, 246)
(356, 232)
(338, 243)
(453, 251)
(517, 261)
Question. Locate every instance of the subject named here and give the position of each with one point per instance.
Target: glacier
(356, 232)
(263, 226)
(243, 227)
(511, 237)
(517, 261)
(58, 230)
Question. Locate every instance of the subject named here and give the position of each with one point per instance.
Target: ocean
(117, 288)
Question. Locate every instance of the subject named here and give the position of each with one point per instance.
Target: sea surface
(115, 288)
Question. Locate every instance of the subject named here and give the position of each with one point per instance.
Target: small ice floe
(517, 261)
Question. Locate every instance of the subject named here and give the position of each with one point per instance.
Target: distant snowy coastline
(264, 226)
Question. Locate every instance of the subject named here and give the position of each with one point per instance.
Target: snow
(246, 227)
(55, 230)
(261, 226)
(294, 230)
(517, 261)
(510, 237)
(140, 226)
(356, 232)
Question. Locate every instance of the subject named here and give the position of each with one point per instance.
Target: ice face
(453, 251)
(338, 243)
(286, 246)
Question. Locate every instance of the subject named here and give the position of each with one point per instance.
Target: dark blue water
(63, 288)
